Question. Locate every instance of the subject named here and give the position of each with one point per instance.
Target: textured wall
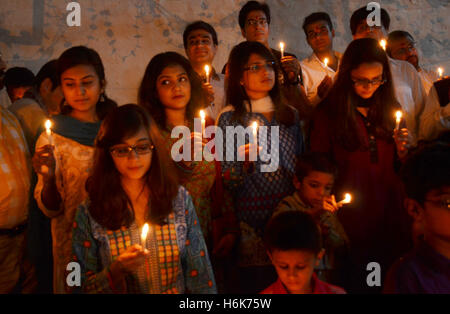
(127, 33)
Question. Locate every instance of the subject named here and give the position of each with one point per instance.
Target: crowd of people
(84, 191)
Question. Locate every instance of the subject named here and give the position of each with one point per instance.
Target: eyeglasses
(444, 202)
(252, 22)
(198, 42)
(255, 68)
(366, 82)
(323, 32)
(363, 28)
(124, 151)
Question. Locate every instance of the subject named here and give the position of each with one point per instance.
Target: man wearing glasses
(408, 87)
(401, 46)
(317, 73)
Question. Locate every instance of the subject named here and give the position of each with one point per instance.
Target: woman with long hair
(63, 165)
(134, 182)
(355, 125)
(253, 95)
(172, 93)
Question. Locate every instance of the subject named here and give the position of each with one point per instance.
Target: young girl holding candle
(134, 182)
(172, 92)
(253, 93)
(64, 164)
(355, 125)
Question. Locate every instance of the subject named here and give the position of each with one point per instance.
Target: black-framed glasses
(122, 151)
(444, 201)
(321, 33)
(255, 68)
(365, 82)
(252, 22)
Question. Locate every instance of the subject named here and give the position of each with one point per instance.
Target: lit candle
(398, 119)
(347, 199)
(202, 117)
(282, 49)
(255, 132)
(383, 44)
(48, 130)
(144, 233)
(207, 71)
(326, 61)
(441, 72)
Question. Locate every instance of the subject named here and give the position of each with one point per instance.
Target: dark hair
(316, 17)
(341, 102)
(48, 70)
(426, 169)
(397, 35)
(199, 25)
(314, 161)
(110, 205)
(18, 77)
(235, 92)
(148, 94)
(251, 6)
(361, 15)
(293, 230)
(82, 55)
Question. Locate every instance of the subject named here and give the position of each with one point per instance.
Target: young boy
(293, 242)
(426, 176)
(313, 180)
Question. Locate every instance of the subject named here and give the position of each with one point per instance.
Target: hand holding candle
(282, 49)
(207, 72)
(346, 200)
(398, 119)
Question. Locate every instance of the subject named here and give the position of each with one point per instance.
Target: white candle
(441, 72)
(383, 44)
(203, 118)
(398, 119)
(144, 233)
(48, 130)
(347, 199)
(255, 132)
(282, 49)
(207, 71)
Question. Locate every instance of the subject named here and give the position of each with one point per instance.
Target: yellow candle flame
(441, 72)
(202, 115)
(348, 198)
(144, 233)
(255, 126)
(282, 46)
(48, 126)
(399, 115)
(383, 44)
(326, 62)
(207, 69)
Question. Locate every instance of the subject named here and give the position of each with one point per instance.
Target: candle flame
(348, 198)
(255, 126)
(202, 115)
(441, 72)
(399, 115)
(207, 69)
(282, 46)
(48, 125)
(326, 61)
(383, 44)
(144, 233)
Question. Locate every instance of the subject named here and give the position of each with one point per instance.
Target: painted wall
(127, 33)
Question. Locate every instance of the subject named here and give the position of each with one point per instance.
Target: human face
(365, 31)
(134, 166)
(256, 27)
(16, 93)
(258, 78)
(319, 36)
(174, 88)
(315, 187)
(2, 70)
(367, 78)
(436, 215)
(200, 48)
(404, 49)
(82, 88)
(295, 268)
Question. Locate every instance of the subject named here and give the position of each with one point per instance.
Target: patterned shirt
(73, 164)
(15, 172)
(257, 194)
(178, 261)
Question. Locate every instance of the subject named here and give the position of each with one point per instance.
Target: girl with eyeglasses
(134, 182)
(172, 93)
(64, 164)
(253, 95)
(355, 125)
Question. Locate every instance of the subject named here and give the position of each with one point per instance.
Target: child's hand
(329, 204)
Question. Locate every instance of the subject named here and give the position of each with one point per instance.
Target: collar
(262, 105)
